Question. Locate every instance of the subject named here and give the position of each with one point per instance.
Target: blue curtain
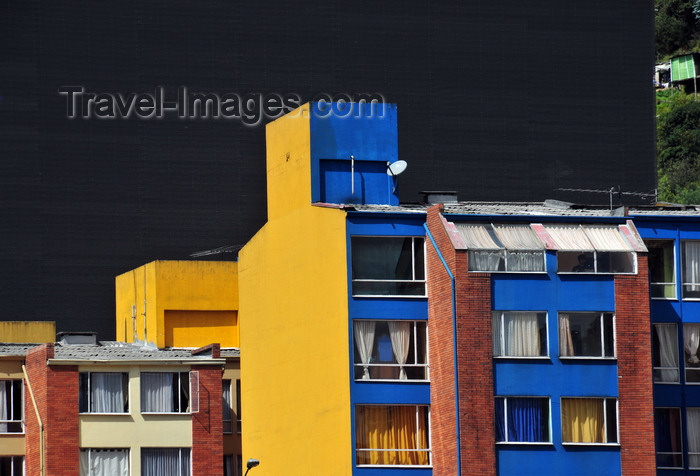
(526, 420)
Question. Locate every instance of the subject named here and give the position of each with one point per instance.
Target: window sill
(166, 413)
(664, 298)
(527, 443)
(600, 273)
(521, 357)
(571, 443)
(669, 383)
(397, 466)
(104, 413)
(500, 271)
(391, 296)
(390, 380)
(587, 357)
(11, 433)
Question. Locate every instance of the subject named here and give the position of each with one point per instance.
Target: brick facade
(474, 364)
(207, 424)
(55, 389)
(635, 388)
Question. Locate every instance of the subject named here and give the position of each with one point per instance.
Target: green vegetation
(678, 146)
(677, 27)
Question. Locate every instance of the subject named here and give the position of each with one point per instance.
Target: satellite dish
(396, 168)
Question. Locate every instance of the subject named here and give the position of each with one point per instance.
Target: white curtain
(364, 340)
(691, 264)
(226, 410)
(485, 260)
(566, 344)
(107, 392)
(525, 261)
(522, 334)
(691, 339)
(400, 333)
(165, 462)
(5, 399)
(107, 462)
(693, 419)
(157, 392)
(668, 352)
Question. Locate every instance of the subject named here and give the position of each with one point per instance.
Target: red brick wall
(207, 425)
(474, 360)
(56, 391)
(635, 387)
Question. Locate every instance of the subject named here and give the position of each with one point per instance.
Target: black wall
(499, 100)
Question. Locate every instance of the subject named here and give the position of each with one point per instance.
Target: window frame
(179, 456)
(89, 452)
(88, 397)
(680, 439)
(542, 317)
(418, 416)
(238, 406)
(227, 404)
(593, 255)
(685, 284)
(415, 271)
(657, 355)
(178, 401)
(688, 369)
(548, 429)
(652, 245)
(16, 390)
(602, 316)
(606, 401)
(16, 464)
(415, 344)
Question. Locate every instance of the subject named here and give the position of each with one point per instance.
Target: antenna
(394, 170)
(611, 191)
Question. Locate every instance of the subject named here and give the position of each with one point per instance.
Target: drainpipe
(454, 340)
(42, 470)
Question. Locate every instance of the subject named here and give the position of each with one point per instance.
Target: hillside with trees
(677, 111)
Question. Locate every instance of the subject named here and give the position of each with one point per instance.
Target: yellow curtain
(582, 420)
(383, 432)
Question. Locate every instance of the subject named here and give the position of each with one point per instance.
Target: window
(11, 406)
(388, 266)
(586, 334)
(667, 429)
(601, 249)
(691, 269)
(228, 465)
(165, 392)
(502, 248)
(522, 420)
(392, 435)
(665, 353)
(165, 462)
(519, 334)
(589, 420)
(693, 425)
(390, 350)
(104, 462)
(238, 405)
(226, 409)
(12, 465)
(104, 392)
(691, 339)
(662, 268)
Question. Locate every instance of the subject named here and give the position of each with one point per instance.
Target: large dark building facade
(498, 101)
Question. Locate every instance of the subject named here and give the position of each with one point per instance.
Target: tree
(676, 25)
(678, 147)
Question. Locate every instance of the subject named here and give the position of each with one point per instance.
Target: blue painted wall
(552, 377)
(366, 132)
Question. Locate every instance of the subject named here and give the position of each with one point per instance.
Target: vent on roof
(433, 197)
(76, 338)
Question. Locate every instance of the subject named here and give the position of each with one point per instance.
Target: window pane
(390, 350)
(691, 340)
(667, 426)
(575, 261)
(584, 420)
(484, 260)
(226, 409)
(524, 260)
(11, 406)
(392, 435)
(165, 392)
(665, 353)
(691, 269)
(165, 462)
(103, 462)
(522, 419)
(693, 424)
(520, 334)
(11, 465)
(586, 334)
(662, 268)
(388, 266)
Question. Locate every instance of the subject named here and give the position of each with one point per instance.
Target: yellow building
(179, 304)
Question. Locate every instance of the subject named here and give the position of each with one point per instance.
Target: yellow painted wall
(28, 332)
(294, 321)
(12, 444)
(135, 431)
(180, 290)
